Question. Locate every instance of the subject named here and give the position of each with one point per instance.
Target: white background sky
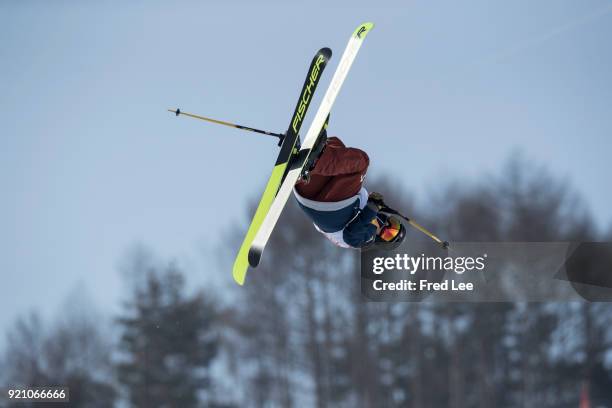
(90, 162)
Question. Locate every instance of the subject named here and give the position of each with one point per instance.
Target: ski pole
(221, 122)
(413, 224)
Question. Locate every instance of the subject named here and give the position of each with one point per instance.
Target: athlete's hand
(377, 200)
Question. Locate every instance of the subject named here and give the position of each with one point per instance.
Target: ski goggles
(391, 230)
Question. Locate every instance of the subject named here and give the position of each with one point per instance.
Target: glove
(375, 201)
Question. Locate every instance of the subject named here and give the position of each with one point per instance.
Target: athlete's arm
(361, 230)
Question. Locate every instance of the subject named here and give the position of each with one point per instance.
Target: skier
(331, 193)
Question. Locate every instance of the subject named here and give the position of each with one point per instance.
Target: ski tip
(363, 30)
(254, 256)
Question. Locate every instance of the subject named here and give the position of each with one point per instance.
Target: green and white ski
(266, 225)
(289, 148)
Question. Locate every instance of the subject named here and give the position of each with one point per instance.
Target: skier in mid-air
(331, 193)
(327, 182)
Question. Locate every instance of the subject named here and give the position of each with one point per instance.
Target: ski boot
(315, 153)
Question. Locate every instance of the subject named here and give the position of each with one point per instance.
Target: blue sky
(91, 164)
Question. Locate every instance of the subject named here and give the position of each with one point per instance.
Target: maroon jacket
(334, 199)
(337, 175)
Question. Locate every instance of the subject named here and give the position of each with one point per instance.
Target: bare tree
(73, 352)
(167, 340)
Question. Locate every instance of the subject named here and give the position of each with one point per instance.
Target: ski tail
(288, 149)
(276, 208)
(297, 162)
